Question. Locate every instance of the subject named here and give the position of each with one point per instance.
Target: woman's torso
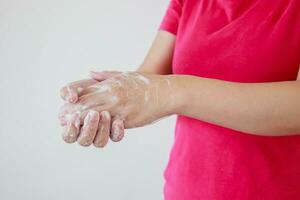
(240, 41)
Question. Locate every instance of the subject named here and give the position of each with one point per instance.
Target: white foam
(102, 87)
(80, 89)
(143, 78)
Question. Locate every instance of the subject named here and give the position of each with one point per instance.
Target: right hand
(94, 127)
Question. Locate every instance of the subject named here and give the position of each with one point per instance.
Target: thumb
(101, 76)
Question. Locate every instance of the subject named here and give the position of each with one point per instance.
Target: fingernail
(79, 90)
(97, 75)
(94, 73)
(71, 96)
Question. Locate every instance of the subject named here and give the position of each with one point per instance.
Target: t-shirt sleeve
(172, 15)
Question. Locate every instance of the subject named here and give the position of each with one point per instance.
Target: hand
(72, 122)
(71, 92)
(135, 98)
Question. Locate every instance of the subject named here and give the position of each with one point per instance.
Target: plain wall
(46, 44)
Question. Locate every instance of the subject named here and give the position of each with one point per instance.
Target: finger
(61, 116)
(81, 108)
(117, 130)
(62, 121)
(100, 76)
(65, 119)
(68, 110)
(71, 130)
(89, 128)
(71, 92)
(103, 132)
(65, 113)
(99, 88)
(82, 113)
(89, 90)
(91, 100)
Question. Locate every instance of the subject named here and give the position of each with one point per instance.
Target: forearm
(159, 57)
(151, 70)
(255, 108)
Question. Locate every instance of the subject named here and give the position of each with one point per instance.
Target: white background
(46, 44)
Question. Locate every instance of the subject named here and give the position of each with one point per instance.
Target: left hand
(135, 98)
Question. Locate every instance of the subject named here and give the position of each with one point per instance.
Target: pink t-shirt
(240, 41)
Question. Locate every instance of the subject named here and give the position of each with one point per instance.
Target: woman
(235, 90)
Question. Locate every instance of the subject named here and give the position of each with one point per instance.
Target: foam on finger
(117, 130)
(89, 128)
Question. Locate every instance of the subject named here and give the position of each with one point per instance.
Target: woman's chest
(253, 42)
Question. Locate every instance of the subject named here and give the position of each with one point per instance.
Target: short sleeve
(172, 15)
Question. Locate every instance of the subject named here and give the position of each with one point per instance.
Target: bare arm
(159, 58)
(256, 108)
(270, 109)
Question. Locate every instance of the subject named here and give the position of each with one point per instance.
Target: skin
(157, 61)
(265, 109)
(135, 98)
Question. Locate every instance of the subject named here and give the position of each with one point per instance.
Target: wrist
(177, 93)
